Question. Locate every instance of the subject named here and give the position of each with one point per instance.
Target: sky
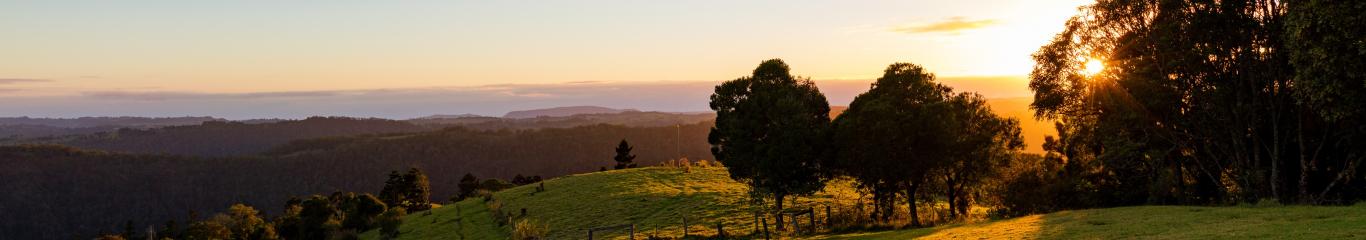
(402, 59)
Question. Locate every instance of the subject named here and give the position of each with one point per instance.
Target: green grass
(653, 198)
(656, 199)
(1157, 222)
(468, 219)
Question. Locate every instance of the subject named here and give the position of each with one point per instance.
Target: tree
(982, 144)
(624, 156)
(468, 184)
(393, 192)
(770, 131)
(1326, 48)
(207, 230)
(319, 218)
(390, 221)
(1207, 101)
(242, 221)
(891, 137)
(410, 191)
(360, 211)
(418, 193)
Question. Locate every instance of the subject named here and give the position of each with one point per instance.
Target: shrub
(528, 229)
(390, 221)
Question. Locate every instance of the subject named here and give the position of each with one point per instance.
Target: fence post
(720, 231)
(765, 221)
(633, 231)
(590, 234)
(685, 226)
(756, 223)
(812, 211)
(828, 224)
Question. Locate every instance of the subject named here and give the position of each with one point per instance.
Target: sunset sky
(399, 59)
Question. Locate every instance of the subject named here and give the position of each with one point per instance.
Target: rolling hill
(656, 199)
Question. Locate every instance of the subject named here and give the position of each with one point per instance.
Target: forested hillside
(61, 192)
(219, 138)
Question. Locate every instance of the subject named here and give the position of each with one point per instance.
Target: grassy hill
(1161, 222)
(657, 198)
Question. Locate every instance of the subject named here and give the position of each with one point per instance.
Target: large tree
(1199, 101)
(770, 131)
(983, 143)
(894, 134)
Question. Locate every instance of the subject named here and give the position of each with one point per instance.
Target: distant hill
(220, 138)
(55, 192)
(83, 122)
(563, 112)
(444, 116)
(13, 128)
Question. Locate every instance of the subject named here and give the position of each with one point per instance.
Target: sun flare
(1092, 67)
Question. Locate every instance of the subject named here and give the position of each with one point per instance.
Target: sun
(1092, 67)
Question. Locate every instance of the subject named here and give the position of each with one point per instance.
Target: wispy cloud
(951, 25)
(170, 95)
(22, 80)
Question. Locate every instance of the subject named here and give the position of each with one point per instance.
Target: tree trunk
(953, 197)
(1305, 166)
(910, 199)
(780, 198)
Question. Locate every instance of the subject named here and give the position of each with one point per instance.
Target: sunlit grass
(1161, 222)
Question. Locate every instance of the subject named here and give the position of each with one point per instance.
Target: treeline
(222, 138)
(56, 192)
(341, 215)
(907, 136)
(1203, 102)
(1198, 102)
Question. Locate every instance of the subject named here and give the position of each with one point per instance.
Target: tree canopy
(770, 131)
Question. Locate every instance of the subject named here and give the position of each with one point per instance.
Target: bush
(527, 229)
(390, 221)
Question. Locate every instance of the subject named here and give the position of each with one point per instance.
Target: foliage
(389, 222)
(770, 131)
(910, 134)
(529, 229)
(624, 157)
(1200, 104)
(409, 191)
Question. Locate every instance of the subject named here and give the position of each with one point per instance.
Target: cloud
(170, 95)
(951, 25)
(22, 80)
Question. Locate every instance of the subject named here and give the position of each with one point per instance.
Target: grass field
(1156, 222)
(656, 199)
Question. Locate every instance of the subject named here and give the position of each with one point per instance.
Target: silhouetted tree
(418, 192)
(892, 136)
(770, 131)
(624, 156)
(1207, 101)
(983, 143)
(468, 184)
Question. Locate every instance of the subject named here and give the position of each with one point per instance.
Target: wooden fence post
(812, 211)
(685, 226)
(765, 221)
(720, 231)
(828, 217)
(633, 231)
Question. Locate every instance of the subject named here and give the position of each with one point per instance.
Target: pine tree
(624, 157)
